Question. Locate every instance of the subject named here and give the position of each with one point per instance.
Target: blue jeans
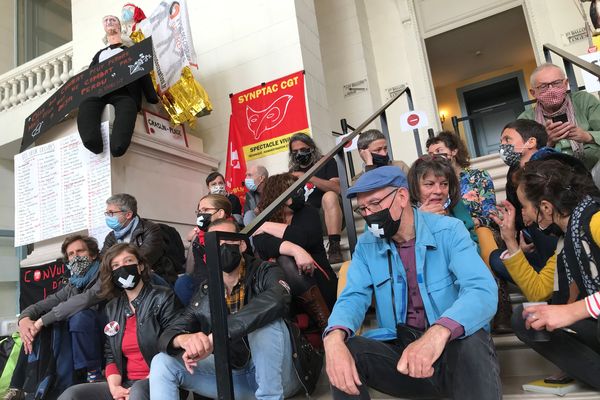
(86, 339)
(269, 375)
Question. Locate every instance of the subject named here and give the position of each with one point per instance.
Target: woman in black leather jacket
(138, 313)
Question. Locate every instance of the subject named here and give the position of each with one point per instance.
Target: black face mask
(382, 225)
(203, 221)
(230, 257)
(297, 200)
(379, 160)
(303, 157)
(551, 230)
(126, 277)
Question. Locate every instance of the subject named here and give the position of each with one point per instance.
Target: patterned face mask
(552, 97)
(79, 265)
(509, 155)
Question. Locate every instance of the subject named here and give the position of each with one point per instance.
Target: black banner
(108, 76)
(36, 283)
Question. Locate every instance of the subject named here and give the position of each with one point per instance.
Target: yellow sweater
(539, 286)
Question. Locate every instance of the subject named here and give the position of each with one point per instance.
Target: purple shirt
(415, 310)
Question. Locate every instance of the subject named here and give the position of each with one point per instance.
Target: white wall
(7, 36)
(7, 199)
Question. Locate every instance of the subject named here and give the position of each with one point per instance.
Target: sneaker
(14, 394)
(94, 376)
(334, 252)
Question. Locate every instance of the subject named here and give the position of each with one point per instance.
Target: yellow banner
(269, 146)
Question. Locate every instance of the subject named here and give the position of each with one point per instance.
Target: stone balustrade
(36, 77)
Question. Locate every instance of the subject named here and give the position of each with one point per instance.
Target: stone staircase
(518, 363)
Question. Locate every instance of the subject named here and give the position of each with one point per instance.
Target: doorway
(490, 104)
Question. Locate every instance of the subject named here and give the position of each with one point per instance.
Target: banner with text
(263, 119)
(37, 283)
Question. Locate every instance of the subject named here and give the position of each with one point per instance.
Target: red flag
(235, 171)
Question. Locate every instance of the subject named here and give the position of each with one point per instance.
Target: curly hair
(274, 186)
(108, 290)
(439, 166)
(453, 142)
(307, 140)
(90, 242)
(556, 182)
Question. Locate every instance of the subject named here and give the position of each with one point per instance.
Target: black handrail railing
(218, 306)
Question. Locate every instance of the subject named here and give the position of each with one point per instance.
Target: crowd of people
(434, 263)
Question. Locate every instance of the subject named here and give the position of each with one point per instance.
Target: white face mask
(217, 189)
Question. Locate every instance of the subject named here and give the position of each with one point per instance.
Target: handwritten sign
(106, 77)
(37, 283)
(60, 188)
(162, 129)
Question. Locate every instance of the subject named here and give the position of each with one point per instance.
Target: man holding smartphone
(572, 120)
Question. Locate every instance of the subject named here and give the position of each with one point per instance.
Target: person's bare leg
(333, 221)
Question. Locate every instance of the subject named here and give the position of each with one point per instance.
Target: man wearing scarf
(572, 120)
(75, 303)
(127, 227)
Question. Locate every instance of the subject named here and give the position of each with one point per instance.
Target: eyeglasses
(112, 213)
(205, 210)
(545, 86)
(374, 206)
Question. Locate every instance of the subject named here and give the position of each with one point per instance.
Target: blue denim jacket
(453, 280)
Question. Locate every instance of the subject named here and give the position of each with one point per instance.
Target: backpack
(10, 348)
(174, 248)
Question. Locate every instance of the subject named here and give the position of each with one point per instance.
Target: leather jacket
(267, 299)
(156, 307)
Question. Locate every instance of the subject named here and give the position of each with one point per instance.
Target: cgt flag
(235, 170)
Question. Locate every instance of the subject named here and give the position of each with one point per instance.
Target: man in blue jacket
(434, 299)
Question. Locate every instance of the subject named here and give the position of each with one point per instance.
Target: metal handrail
(218, 307)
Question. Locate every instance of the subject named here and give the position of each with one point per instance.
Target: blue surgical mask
(250, 184)
(127, 15)
(113, 223)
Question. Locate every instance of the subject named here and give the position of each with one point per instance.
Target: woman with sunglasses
(563, 203)
(138, 312)
(433, 187)
(210, 208)
(294, 230)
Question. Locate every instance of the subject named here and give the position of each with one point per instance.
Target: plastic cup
(537, 336)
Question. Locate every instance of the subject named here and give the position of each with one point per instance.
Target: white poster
(592, 83)
(60, 188)
(350, 145)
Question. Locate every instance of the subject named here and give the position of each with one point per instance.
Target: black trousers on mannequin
(88, 122)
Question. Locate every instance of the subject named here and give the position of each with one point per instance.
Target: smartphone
(559, 378)
(560, 118)
(527, 236)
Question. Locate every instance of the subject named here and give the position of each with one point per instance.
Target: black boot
(501, 322)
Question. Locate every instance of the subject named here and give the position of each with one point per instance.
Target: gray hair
(541, 67)
(124, 201)
(262, 171)
(367, 137)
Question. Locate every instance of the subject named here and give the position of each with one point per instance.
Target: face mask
(379, 160)
(553, 97)
(297, 200)
(303, 157)
(250, 184)
(113, 223)
(203, 221)
(127, 15)
(79, 265)
(218, 189)
(509, 155)
(382, 225)
(126, 277)
(551, 230)
(230, 257)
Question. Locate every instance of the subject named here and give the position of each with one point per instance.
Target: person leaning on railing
(293, 235)
(566, 203)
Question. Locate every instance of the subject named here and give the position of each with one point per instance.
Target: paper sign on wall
(592, 83)
(413, 120)
(352, 145)
(60, 188)
(160, 128)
